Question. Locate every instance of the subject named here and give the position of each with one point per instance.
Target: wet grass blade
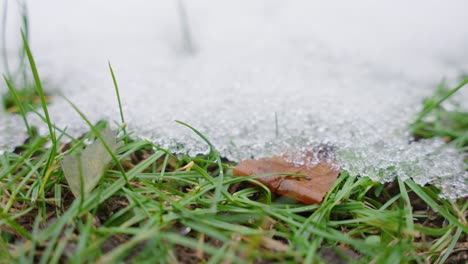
(40, 90)
(117, 93)
(17, 227)
(435, 206)
(450, 248)
(427, 109)
(220, 178)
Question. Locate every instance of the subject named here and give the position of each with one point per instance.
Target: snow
(258, 78)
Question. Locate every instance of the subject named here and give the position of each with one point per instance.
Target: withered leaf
(309, 188)
(91, 162)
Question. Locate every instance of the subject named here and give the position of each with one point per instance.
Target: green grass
(152, 206)
(435, 120)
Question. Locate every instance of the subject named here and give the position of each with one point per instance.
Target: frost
(261, 77)
(12, 132)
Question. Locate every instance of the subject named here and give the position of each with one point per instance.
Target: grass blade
(220, 180)
(116, 86)
(441, 210)
(104, 143)
(40, 91)
(432, 106)
(37, 82)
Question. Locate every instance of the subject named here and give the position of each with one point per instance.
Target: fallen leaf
(305, 183)
(91, 162)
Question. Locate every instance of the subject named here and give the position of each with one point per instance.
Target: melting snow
(258, 78)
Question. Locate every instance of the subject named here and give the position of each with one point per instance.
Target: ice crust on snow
(258, 78)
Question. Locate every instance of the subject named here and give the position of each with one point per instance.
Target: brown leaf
(309, 188)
